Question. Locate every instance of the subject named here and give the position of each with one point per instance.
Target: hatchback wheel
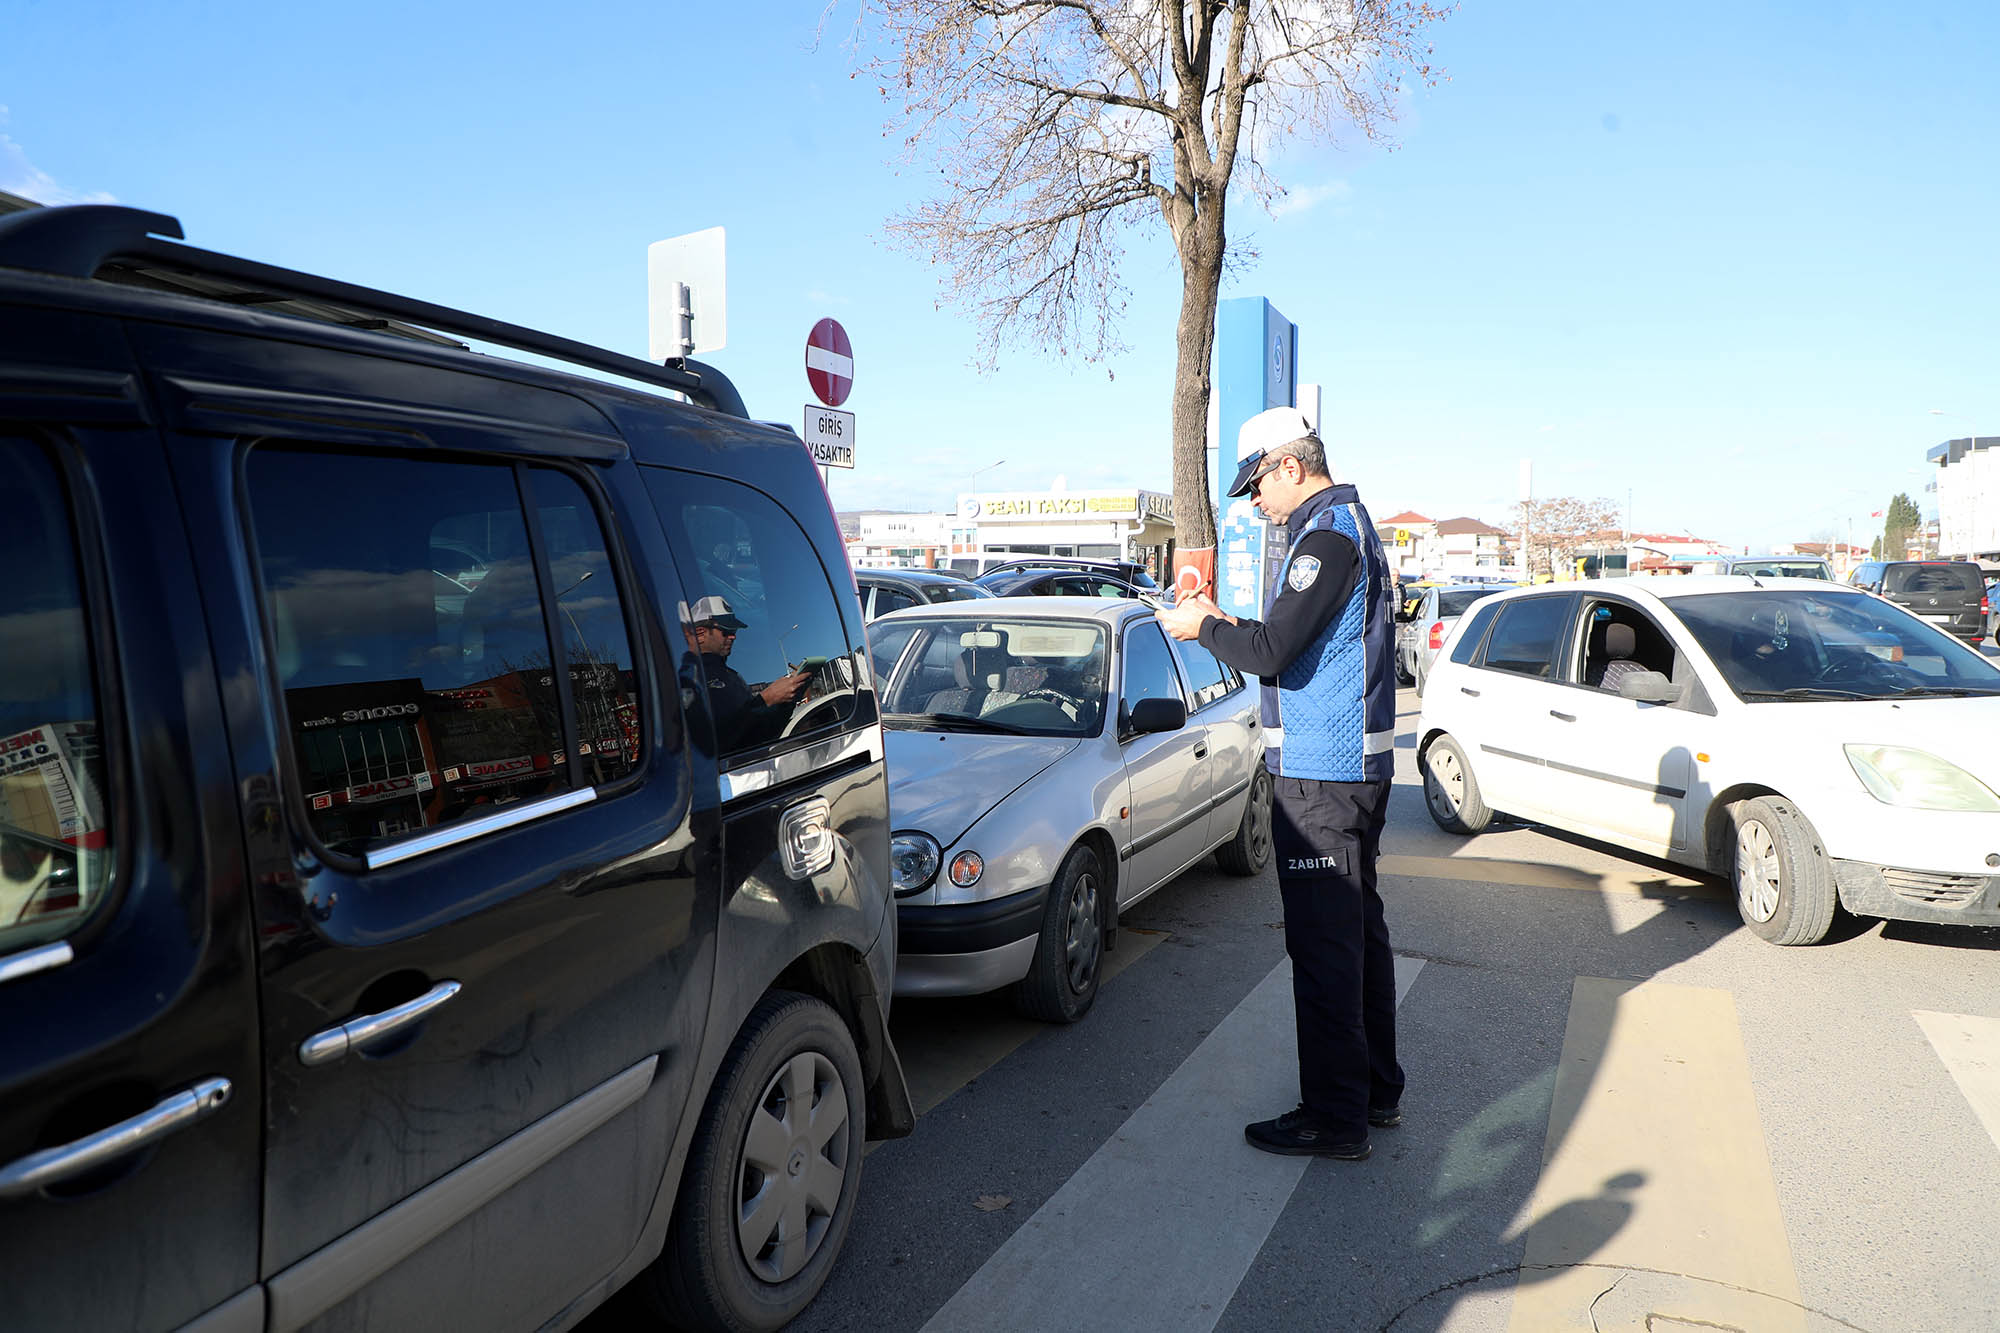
(772, 1175)
(1451, 793)
(1061, 984)
(1784, 883)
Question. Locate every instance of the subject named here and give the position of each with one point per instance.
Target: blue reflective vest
(1332, 712)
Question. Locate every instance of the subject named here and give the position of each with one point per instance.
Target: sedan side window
(55, 848)
(1149, 668)
(1205, 674)
(1525, 637)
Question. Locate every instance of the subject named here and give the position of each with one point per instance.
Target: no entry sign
(829, 362)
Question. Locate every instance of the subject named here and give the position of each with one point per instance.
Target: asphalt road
(1624, 1112)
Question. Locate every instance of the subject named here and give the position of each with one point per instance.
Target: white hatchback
(1821, 746)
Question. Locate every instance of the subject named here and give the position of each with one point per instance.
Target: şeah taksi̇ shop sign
(1126, 520)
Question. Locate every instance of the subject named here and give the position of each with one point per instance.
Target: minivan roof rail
(83, 240)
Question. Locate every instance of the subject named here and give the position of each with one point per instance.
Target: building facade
(1968, 497)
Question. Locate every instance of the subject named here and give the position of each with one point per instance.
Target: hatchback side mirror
(1648, 687)
(1150, 715)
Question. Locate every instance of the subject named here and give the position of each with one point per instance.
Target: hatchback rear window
(1933, 578)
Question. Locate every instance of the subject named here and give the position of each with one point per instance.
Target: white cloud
(20, 176)
(1303, 198)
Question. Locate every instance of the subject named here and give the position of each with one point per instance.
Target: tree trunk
(1194, 353)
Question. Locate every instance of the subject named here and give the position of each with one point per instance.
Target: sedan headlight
(1895, 775)
(913, 861)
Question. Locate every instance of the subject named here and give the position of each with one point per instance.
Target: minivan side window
(763, 636)
(410, 625)
(55, 842)
(1525, 636)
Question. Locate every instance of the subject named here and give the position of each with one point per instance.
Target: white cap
(710, 609)
(1273, 428)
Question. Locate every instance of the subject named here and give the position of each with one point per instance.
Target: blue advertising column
(1256, 366)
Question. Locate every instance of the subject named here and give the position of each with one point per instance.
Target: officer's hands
(785, 688)
(1184, 618)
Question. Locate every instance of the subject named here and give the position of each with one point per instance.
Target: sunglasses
(718, 629)
(1257, 477)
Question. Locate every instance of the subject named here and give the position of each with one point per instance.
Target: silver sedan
(1053, 760)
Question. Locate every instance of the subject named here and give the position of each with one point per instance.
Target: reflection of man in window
(745, 715)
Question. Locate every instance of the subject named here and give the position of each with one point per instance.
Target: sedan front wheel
(1061, 984)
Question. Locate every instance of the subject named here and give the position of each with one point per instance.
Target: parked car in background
(1821, 747)
(443, 823)
(1776, 566)
(1950, 594)
(1053, 761)
(1051, 576)
(1437, 611)
(886, 590)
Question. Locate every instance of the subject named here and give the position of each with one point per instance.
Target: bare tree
(1555, 529)
(1053, 125)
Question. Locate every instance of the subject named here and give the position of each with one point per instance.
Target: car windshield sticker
(1304, 570)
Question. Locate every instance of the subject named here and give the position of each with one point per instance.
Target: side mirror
(1151, 715)
(1648, 687)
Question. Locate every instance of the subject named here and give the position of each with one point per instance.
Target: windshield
(1027, 677)
(956, 592)
(1933, 578)
(1455, 601)
(1802, 645)
(1782, 569)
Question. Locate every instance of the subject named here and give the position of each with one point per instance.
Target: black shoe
(1295, 1134)
(1385, 1117)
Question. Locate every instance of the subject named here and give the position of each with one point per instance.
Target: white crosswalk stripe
(1157, 1229)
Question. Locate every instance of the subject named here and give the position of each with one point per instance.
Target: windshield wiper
(1946, 691)
(1809, 692)
(956, 722)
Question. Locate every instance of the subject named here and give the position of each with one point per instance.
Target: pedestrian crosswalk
(1656, 1206)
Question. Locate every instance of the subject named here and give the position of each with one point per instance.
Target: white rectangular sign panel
(829, 435)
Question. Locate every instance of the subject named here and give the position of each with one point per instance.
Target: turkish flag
(1874, 513)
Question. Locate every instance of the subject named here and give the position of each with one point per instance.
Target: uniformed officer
(744, 714)
(1325, 653)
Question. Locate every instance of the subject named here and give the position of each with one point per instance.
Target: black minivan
(1950, 594)
(443, 828)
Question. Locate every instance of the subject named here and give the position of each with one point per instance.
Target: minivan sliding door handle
(1562, 717)
(52, 1166)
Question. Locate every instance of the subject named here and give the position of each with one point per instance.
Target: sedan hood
(941, 781)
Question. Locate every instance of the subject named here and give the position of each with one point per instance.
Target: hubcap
(1756, 871)
(1081, 939)
(1260, 816)
(1445, 785)
(794, 1161)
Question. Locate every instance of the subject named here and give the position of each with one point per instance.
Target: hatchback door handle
(51, 1166)
(323, 1048)
(1201, 752)
(1562, 717)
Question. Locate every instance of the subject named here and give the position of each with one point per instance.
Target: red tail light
(1437, 636)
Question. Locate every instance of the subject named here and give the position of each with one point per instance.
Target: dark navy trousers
(1325, 836)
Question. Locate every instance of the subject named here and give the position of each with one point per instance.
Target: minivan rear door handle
(1463, 690)
(52, 1166)
(1562, 717)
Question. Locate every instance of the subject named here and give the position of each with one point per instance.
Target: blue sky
(1723, 258)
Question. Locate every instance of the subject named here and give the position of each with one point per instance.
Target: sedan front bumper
(1899, 894)
(967, 948)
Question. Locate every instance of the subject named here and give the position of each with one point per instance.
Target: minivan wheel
(772, 1174)
(1061, 984)
(1451, 793)
(1784, 883)
(1250, 850)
